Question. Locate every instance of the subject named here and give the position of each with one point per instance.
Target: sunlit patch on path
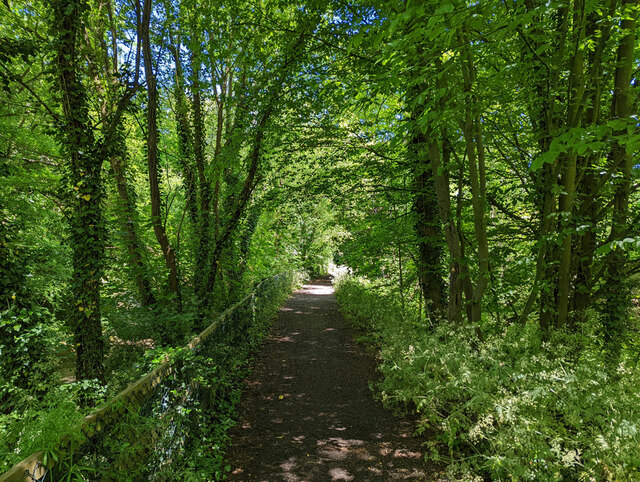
(308, 412)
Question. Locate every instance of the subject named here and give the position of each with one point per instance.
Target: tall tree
(618, 297)
(104, 69)
(84, 186)
(152, 154)
(428, 225)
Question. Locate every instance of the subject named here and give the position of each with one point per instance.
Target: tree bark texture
(86, 192)
(428, 229)
(477, 179)
(129, 219)
(616, 310)
(152, 156)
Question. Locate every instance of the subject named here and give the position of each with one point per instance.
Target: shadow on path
(307, 412)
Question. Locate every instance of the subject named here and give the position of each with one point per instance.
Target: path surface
(308, 413)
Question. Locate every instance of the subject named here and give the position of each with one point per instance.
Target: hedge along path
(131, 398)
(308, 412)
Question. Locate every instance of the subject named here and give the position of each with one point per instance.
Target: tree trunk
(543, 118)
(220, 123)
(115, 149)
(616, 310)
(439, 168)
(241, 203)
(129, 220)
(152, 156)
(427, 227)
(599, 26)
(477, 178)
(575, 109)
(185, 137)
(85, 191)
(204, 236)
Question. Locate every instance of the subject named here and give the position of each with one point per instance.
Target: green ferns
(510, 406)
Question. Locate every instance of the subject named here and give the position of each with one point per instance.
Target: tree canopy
(475, 162)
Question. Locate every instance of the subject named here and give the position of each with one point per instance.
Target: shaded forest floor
(308, 413)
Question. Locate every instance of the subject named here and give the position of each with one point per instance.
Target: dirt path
(308, 412)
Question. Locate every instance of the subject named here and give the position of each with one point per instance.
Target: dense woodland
(472, 167)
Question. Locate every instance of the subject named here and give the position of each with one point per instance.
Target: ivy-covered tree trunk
(240, 203)
(184, 133)
(129, 218)
(204, 222)
(152, 157)
(18, 357)
(102, 67)
(85, 190)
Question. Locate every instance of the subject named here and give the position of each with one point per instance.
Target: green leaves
(626, 244)
(508, 405)
(548, 157)
(584, 141)
(355, 42)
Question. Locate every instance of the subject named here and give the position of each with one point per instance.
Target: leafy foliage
(509, 405)
(476, 162)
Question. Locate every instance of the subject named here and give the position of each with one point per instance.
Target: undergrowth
(511, 406)
(186, 424)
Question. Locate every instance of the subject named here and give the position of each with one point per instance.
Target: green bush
(39, 425)
(40, 421)
(511, 405)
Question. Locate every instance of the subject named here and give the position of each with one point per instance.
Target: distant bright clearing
(319, 290)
